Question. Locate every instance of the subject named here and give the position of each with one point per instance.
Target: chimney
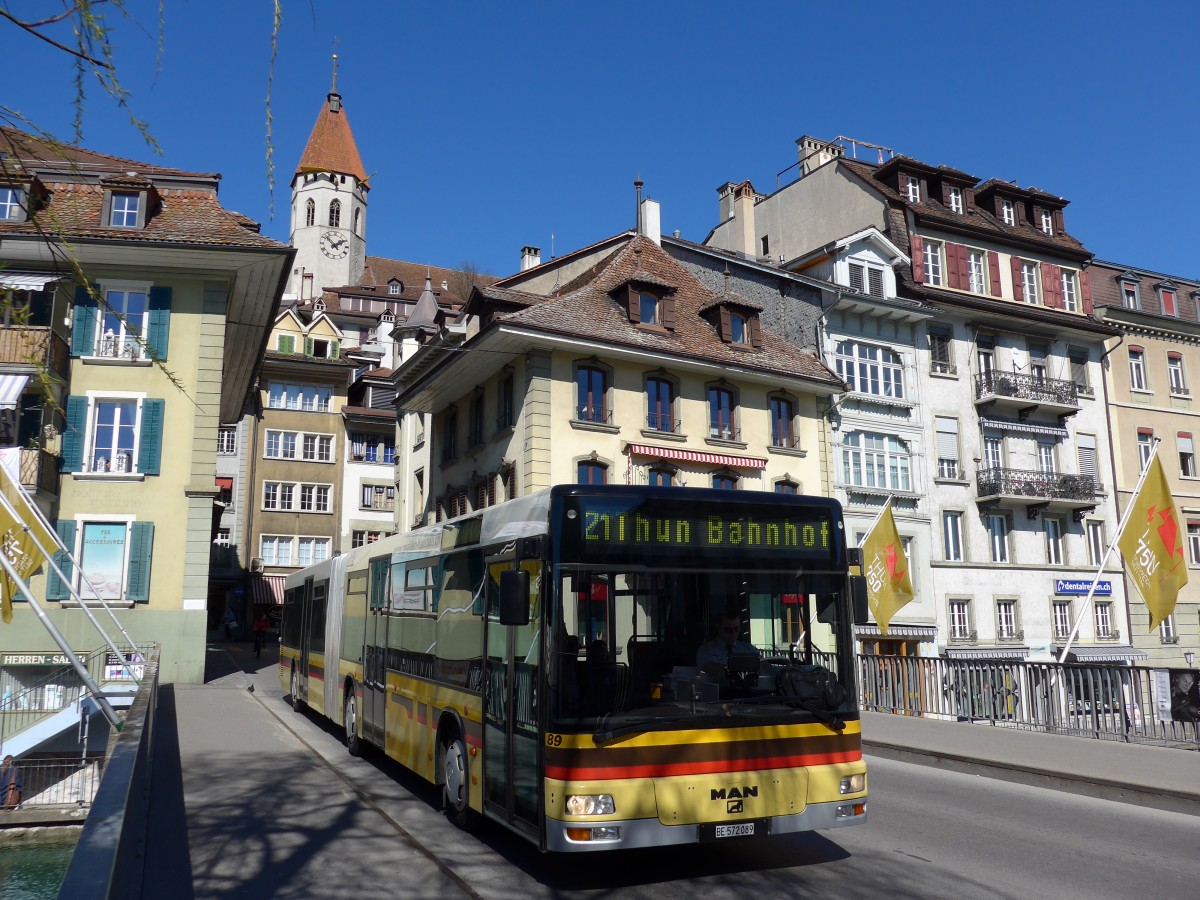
(530, 257)
(725, 194)
(651, 220)
(815, 152)
(744, 198)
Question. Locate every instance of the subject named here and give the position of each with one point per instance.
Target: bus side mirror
(514, 597)
(858, 594)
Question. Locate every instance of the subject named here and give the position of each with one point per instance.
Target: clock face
(334, 245)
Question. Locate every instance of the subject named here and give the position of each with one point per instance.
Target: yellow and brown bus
(538, 660)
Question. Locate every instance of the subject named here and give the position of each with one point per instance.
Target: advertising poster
(1185, 696)
(102, 559)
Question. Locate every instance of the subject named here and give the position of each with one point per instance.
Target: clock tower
(329, 205)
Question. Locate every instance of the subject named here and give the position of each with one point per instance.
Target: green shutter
(55, 588)
(160, 322)
(308, 346)
(333, 350)
(83, 326)
(150, 447)
(141, 543)
(287, 343)
(74, 433)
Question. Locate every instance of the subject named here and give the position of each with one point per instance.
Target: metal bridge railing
(1118, 703)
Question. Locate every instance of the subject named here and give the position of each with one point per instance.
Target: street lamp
(1190, 658)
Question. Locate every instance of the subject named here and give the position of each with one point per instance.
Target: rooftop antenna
(637, 218)
(333, 90)
(552, 245)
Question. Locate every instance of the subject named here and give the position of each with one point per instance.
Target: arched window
(592, 472)
(722, 404)
(725, 481)
(660, 404)
(786, 487)
(310, 212)
(591, 384)
(661, 476)
(358, 222)
(335, 214)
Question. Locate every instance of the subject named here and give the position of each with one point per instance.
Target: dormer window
(1167, 304)
(394, 288)
(124, 209)
(1008, 212)
(912, 189)
(739, 327)
(956, 200)
(648, 304)
(1047, 222)
(10, 205)
(866, 279)
(1130, 295)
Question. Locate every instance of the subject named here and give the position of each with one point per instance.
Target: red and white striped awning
(696, 456)
(267, 590)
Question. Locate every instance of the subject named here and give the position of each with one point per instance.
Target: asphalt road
(323, 824)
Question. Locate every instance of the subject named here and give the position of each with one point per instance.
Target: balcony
(39, 471)
(379, 503)
(1026, 394)
(30, 345)
(1037, 491)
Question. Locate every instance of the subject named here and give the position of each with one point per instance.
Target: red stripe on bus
(563, 773)
(317, 676)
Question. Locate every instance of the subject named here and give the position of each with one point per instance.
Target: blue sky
(489, 126)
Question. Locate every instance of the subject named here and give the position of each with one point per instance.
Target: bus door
(306, 593)
(511, 742)
(374, 710)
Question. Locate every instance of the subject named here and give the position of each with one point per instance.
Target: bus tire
(456, 787)
(295, 689)
(350, 721)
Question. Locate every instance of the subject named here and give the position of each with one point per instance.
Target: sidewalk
(1156, 777)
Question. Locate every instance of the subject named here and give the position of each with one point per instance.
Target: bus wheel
(295, 686)
(456, 791)
(350, 718)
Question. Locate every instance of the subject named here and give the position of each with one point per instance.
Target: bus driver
(713, 657)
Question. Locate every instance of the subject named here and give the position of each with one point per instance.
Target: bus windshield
(633, 645)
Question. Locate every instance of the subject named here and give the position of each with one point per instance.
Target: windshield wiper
(604, 736)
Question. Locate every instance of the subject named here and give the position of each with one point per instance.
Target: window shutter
(634, 303)
(993, 259)
(83, 325)
(56, 589)
(668, 312)
(333, 349)
(969, 199)
(725, 327)
(1018, 286)
(1057, 215)
(954, 253)
(755, 331)
(74, 434)
(308, 346)
(1051, 285)
(141, 542)
(1085, 291)
(918, 258)
(945, 195)
(150, 447)
(875, 282)
(1087, 456)
(964, 268)
(160, 322)
(856, 277)
(1184, 442)
(287, 343)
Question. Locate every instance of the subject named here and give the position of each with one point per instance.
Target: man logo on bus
(734, 793)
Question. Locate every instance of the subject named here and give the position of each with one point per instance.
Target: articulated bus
(538, 660)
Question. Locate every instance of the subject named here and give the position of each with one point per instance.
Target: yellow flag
(17, 544)
(889, 586)
(1152, 544)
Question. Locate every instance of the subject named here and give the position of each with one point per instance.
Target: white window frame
(1166, 630)
(993, 452)
(289, 496)
(870, 369)
(998, 528)
(276, 542)
(1193, 537)
(912, 188)
(1175, 374)
(128, 340)
(934, 268)
(227, 440)
(1052, 529)
(1145, 446)
(1070, 290)
(1137, 370)
(952, 535)
(876, 460)
(1047, 458)
(960, 618)
(1006, 619)
(10, 204)
(1097, 543)
(1047, 222)
(948, 450)
(1131, 297)
(1103, 616)
(1060, 618)
(120, 208)
(125, 466)
(1031, 281)
(977, 272)
(956, 200)
(1186, 449)
(1008, 212)
(312, 542)
(298, 397)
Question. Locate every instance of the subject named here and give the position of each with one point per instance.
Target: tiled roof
(379, 270)
(931, 211)
(590, 312)
(188, 215)
(331, 146)
(40, 153)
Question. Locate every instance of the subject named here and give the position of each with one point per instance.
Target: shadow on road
(168, 856)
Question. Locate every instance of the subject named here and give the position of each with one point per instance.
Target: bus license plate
(741, 829)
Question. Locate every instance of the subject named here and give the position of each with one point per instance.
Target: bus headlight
(853, 784)
(590, 805)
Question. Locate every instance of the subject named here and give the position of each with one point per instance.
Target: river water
(32, 868)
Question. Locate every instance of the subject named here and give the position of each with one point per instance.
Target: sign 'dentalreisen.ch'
(1081, 587)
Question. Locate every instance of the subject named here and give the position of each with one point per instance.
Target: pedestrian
(10, 783)
(230, 623)
(261, 627)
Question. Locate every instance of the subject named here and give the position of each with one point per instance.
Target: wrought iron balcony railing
(1046, 485)
(39, 470)
(1033, 388)
(664, 423)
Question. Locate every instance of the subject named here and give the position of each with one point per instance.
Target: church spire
(331, 146)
